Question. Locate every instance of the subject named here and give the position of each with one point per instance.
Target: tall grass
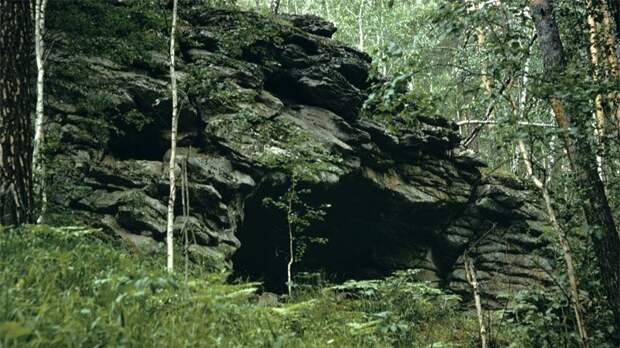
(66, 287)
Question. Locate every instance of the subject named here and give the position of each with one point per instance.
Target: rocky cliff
(258, 93)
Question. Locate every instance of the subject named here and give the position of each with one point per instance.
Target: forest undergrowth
(77, 287)
(66, 287)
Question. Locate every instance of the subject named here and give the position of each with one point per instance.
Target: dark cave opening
(370, 233)
(151, 140)
(146, 144)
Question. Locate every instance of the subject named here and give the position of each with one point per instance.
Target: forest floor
(67, 287)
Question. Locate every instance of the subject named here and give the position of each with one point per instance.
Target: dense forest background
(532, 88)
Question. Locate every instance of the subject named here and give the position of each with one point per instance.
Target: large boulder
(258, 92)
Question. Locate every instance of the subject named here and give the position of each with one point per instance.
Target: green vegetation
(396, 105)
(65, 287)
(124, 34)
(76, 287)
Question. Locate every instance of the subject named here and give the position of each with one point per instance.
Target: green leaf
(13, 329)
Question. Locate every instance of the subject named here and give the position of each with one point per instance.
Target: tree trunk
(486, 81)
(612, 52)
(16, 195)
(566, 251)
(291, 238)
(615, 7)
(186, 207)
(360, 26)
(582, 158)
(599, 111)
(38, 165)
(173, 143)
(275, 6)
(542, 186)
(291, 251)
(470, 272)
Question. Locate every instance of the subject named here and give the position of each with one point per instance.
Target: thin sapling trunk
(173, 143)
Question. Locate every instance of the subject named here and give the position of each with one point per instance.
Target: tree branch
(520, 123)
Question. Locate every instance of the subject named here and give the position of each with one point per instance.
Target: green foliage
(208, 3)
(64, 287)
(241, 31)
(538, 319)
(295, 152)
(397, 105)
(135, 120)
(292, 151)
(277, 143)
(220, 95)
(299, 216)
(127, 34)
(400, 306)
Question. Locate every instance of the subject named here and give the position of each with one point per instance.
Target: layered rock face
(258, 91)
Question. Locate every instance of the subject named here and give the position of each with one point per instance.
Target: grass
(67, 287)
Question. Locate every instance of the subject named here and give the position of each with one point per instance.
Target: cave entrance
(263, 254)
(370, 233)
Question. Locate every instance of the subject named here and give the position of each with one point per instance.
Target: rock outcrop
(259, 91)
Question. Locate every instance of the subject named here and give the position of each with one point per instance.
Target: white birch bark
(275, 6)
(542, 186)
(470, 272)
(360, 26)
(289, 265)
(566, 250)
(291, 238)
(38, 166)
(173, 143)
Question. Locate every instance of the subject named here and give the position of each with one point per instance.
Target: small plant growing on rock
(299, 217)
(397, 105)
(282, 147)
(303, 161)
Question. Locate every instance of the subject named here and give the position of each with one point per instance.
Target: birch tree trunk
(173, 143)
(612, 51)
(291, 250)
(38, 165)
(566, 250)
(583, 160)
(470, 272)
(542, 186)
(360, 26)
(275, 6)
(599, 66)
(16, 195)
(487, 82)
